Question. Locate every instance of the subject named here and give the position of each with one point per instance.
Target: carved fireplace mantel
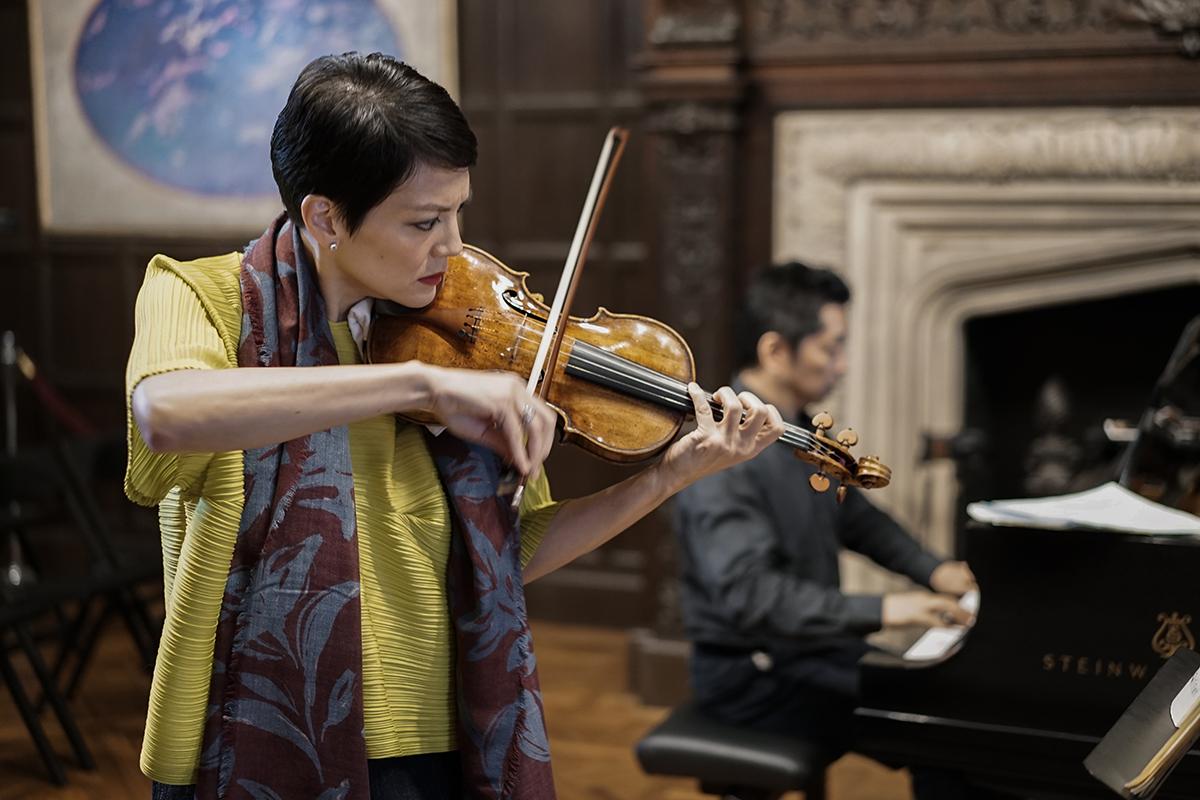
(935, 217)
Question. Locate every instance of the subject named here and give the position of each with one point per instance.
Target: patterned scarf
(501, 732)
(285, 716)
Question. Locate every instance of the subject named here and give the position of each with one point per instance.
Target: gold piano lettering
(1173, 634)
(1092, 666)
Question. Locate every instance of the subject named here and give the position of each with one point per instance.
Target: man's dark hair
(355, 127)
(787, 299)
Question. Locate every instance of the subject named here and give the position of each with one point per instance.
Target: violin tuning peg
(818, 482)
(847, 438)
(823, 421)
(841, 494)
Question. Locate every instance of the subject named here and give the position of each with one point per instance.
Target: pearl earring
(333, 246)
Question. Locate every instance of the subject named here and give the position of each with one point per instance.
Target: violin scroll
(833, 459)
(873, 473)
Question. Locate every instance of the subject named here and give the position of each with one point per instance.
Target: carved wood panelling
(693, 146)
(689, 22)
(930, 27)
(1171, 18)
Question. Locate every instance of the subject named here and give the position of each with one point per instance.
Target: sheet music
(1108, 507)
(935, 643)
(1186, 700)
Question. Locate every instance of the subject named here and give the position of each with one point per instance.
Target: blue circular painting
(187, 91)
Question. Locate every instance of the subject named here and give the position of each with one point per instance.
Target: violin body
(485, 317)
(619, 383)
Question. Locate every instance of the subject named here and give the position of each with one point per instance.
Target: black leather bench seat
(688, 743)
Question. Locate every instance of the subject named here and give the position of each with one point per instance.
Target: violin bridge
(471, 324)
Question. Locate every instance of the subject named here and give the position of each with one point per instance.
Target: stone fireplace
(940, 217)
(1044, 383)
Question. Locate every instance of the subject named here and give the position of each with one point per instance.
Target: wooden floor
(593, 723)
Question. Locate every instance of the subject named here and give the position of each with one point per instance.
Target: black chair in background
(79, 574)
(124, 545)
(76, 552)
(37, 509)
(19, 611)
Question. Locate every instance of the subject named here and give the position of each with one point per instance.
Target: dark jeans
(810, 696)
(429, 776)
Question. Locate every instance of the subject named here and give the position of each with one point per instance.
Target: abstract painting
(154, 116)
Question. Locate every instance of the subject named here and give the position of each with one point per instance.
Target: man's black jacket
(759, 554)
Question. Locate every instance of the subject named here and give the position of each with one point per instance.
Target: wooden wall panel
(478, 34)
(541, 93)
(558, 47)
(14, 57)
(18, 294)
(20, 290)
(625, 216)
(93, 328)
(555, 154)
(17, 221)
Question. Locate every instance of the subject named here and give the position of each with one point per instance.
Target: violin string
(794, 436)
(657, 387)
(654, 385)
(675, 389)
(623, 372)
(579, 348)
(571, 345)
(673, 401)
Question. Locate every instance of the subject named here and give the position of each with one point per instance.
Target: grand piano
(1071, 626)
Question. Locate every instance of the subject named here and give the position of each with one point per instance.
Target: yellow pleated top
(188, 316)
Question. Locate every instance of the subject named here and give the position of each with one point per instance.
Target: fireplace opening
(1041, 382)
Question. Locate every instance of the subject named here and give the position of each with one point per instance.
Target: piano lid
(1163, 464)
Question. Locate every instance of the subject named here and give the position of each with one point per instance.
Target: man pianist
(776, 641)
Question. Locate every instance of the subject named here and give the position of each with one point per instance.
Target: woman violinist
(315, 545)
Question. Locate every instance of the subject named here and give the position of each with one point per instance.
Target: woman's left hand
(747, 427)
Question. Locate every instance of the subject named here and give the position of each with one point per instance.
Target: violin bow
(568, 281)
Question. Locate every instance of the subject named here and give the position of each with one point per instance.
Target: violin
(618, 382)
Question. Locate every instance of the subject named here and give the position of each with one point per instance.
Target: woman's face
(399, 252)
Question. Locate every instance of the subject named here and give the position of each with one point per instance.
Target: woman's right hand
(492, 408)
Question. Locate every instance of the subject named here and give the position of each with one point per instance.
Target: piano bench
(732, 762)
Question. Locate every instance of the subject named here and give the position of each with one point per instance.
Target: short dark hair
(355, 127)
(785, 298)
